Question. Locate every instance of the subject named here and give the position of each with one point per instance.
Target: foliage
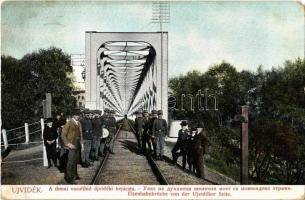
(25, 82)
(276, 101)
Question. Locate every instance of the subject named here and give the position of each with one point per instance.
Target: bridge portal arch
(127, 71)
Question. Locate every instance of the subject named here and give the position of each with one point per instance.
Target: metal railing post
(45, 159)
(27, 134)
(4, 138)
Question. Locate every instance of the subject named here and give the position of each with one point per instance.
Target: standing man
(59, 123)
(49, 138)
(160, 132)
(189, 148)
(97, 130)
(200, 143)
(112, 131)
(87, 137)
(181, 144)
(72, 138)
(139, 128)
(145, 135)
(152, 137)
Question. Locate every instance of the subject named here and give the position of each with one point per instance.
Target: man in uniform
(152, 141)
(200, 143)
(180, 144)
(111, 126)
(139, 128)
(145, 135)
(159, 131)
(87, 136)
(97, 129)
(72, 138)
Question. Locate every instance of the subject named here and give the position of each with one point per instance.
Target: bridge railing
(25, 135)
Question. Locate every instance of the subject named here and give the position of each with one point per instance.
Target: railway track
(128, 167)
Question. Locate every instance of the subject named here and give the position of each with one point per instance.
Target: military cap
(97, 112)
(76, 112)
(160, 112)
(48, 120)
(145, 111)
(106, 110)
(86, 111)
(112, 111)
(137, 112)
(153, 112)
(183, 123)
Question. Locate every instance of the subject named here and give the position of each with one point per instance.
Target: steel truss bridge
(126, 72)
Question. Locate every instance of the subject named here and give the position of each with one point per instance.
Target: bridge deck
(126, 167)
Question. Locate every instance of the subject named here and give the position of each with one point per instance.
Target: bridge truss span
(126, 71)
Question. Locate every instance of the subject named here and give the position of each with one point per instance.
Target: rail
(153, 165)
(99, 171)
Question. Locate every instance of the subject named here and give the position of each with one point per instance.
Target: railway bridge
(126, 71)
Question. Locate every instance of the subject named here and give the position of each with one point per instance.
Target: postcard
(152, 100)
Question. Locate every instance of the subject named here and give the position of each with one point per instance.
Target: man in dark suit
(145, 135)
(181, 144)
(152, 138)
(97, 132)
(88, 137)
(139, 128)
(200, 144)
(49, 137)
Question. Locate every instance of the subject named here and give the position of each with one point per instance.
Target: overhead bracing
(126, 68)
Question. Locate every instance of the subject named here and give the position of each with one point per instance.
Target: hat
(153, 112)
(86, 111)
(139, 111)
(106, 110)
(145, 111)
(136, 112)
(76, 112)
(183, 123)
(97, 112)
(112, 111)
(48, 120)
(160, 112)
(193, 129)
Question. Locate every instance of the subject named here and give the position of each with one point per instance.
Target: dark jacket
(146, 125)
(112, 124)
(138, 124)
(49, 134)
(59, 123)
(200, 142)
(97, 127)
(86, 129)
(181, 142)
(159, 127)
(189, 143)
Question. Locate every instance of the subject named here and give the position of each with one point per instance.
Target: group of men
(151, 130)
(191, 145)
(81, 139)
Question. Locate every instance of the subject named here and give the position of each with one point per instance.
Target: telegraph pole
(161, 15)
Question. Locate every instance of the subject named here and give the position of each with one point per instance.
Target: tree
(25, 82)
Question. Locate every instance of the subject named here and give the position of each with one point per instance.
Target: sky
(201, 34)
